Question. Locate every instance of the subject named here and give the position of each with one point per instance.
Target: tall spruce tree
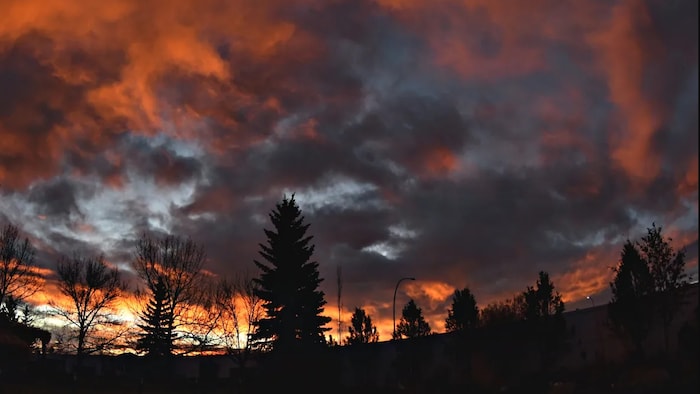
(288, 283)
(157, 324)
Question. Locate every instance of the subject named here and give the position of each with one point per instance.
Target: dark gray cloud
(56, 199)
(456, 144)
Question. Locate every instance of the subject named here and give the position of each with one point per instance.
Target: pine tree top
(289, 281)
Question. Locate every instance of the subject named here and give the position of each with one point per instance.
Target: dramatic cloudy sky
(466, 143)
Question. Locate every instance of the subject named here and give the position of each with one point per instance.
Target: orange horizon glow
(573, 287)
(497, 137)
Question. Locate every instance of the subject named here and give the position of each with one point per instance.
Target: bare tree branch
(241, 309)
(177, 262)
(92, 288)
(17, 278)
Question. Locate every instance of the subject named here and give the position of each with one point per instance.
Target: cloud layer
(467, 143)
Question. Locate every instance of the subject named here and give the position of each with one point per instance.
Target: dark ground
(649, 377)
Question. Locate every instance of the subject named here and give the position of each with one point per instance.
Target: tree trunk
(81, 342)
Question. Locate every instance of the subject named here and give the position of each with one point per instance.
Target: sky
(464, 143)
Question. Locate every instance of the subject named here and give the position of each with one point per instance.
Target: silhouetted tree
(629, 315)
(464, 313)
(17, 278)
(339, 287)
(412, 358)
(157, 323)
(241, 309)
(92, 288)
(462, 319)
(10, 308)
(16, 343)
(18, 311)
(502, 313)
(200, 328)
(28, 313)
(542, 301)
(176, 264)
(412, 323)
(361, 329)
(332, 341)
(543, 309)
(667, 269)
(288, 283)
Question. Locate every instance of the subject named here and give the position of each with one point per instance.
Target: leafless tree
(92, 288)
(201, 319)
(17, 278)
(178, 263)
(240, 309)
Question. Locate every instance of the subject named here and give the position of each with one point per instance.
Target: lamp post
(394, 305)
(590, 299)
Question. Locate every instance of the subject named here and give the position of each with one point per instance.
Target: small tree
(667, 268)
(17, 278)
(632, 283)
(10, 309)
(241, 309)
(502, 313)
(201, 324)
(542, 302)
(464, 313)
(157, 322)
(543, 309)
(288, 283)
(176, 264)
(92, 288)
(412, 323)
(412, 359)
(361, 330)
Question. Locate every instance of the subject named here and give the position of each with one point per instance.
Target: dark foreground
(645, 378)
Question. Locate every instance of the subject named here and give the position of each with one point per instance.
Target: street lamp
(590, 299)
(394, 307)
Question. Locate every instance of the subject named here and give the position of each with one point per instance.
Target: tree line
(180, 308)
(647, 287)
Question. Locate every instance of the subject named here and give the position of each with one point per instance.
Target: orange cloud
(120, 57)
(440, 161)
(473, 27)
(588, 276)
(435, 291)
(623, 56)
(487, 40)
(689, 182)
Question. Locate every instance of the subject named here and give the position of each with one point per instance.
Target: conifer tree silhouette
(288, 284)
(361, 329)
(412, 323)
(157, 326)
(464, 312)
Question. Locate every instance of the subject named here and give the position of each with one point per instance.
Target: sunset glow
(464, 143)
